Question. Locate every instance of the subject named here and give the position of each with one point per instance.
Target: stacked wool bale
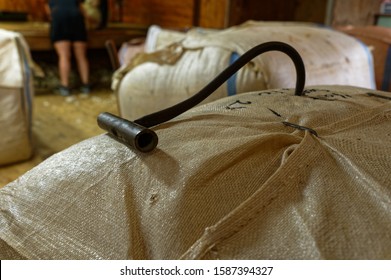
(378, 39)
(159, 79)
(16, 94)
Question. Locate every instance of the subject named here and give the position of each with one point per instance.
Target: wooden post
(214, 13)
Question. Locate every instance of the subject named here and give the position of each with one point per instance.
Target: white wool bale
(16, 94)
(153, 81)
(378, 39)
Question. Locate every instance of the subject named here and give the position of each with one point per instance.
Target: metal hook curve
(137, 133)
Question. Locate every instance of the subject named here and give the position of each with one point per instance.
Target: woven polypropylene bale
(228, 180)
(16, 94)
(154, 81)
(378, 39)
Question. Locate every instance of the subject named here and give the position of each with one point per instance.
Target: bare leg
(80, 50)
(63, 49)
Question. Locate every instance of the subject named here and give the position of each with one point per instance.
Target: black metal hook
(137, 134)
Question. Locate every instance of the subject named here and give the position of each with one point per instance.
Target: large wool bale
(378, 39)
(16, 94)
(157, 80)
(263, 175)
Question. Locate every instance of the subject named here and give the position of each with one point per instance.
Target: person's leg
(63, 49)
(80, 51)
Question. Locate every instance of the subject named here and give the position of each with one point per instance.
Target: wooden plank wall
(311, 11)
(220, 13)
(260, 10)
(213, 13)
(34, 8)
(14, 5)
(174, 13)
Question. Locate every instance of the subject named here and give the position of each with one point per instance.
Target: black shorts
(67, 25)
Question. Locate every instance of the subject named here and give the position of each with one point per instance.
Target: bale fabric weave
(263, 175)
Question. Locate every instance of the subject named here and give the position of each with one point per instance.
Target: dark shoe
(85, 89)
(63, 90)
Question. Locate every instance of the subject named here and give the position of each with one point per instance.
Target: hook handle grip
(137, 136)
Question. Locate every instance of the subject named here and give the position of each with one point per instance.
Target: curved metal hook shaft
(173, 111)
(137, 134)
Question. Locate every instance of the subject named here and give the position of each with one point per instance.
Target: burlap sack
(263, 175)
(160, 79)
(16, 94)
(378, 39)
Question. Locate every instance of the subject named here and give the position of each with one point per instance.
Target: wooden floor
(59, 122)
